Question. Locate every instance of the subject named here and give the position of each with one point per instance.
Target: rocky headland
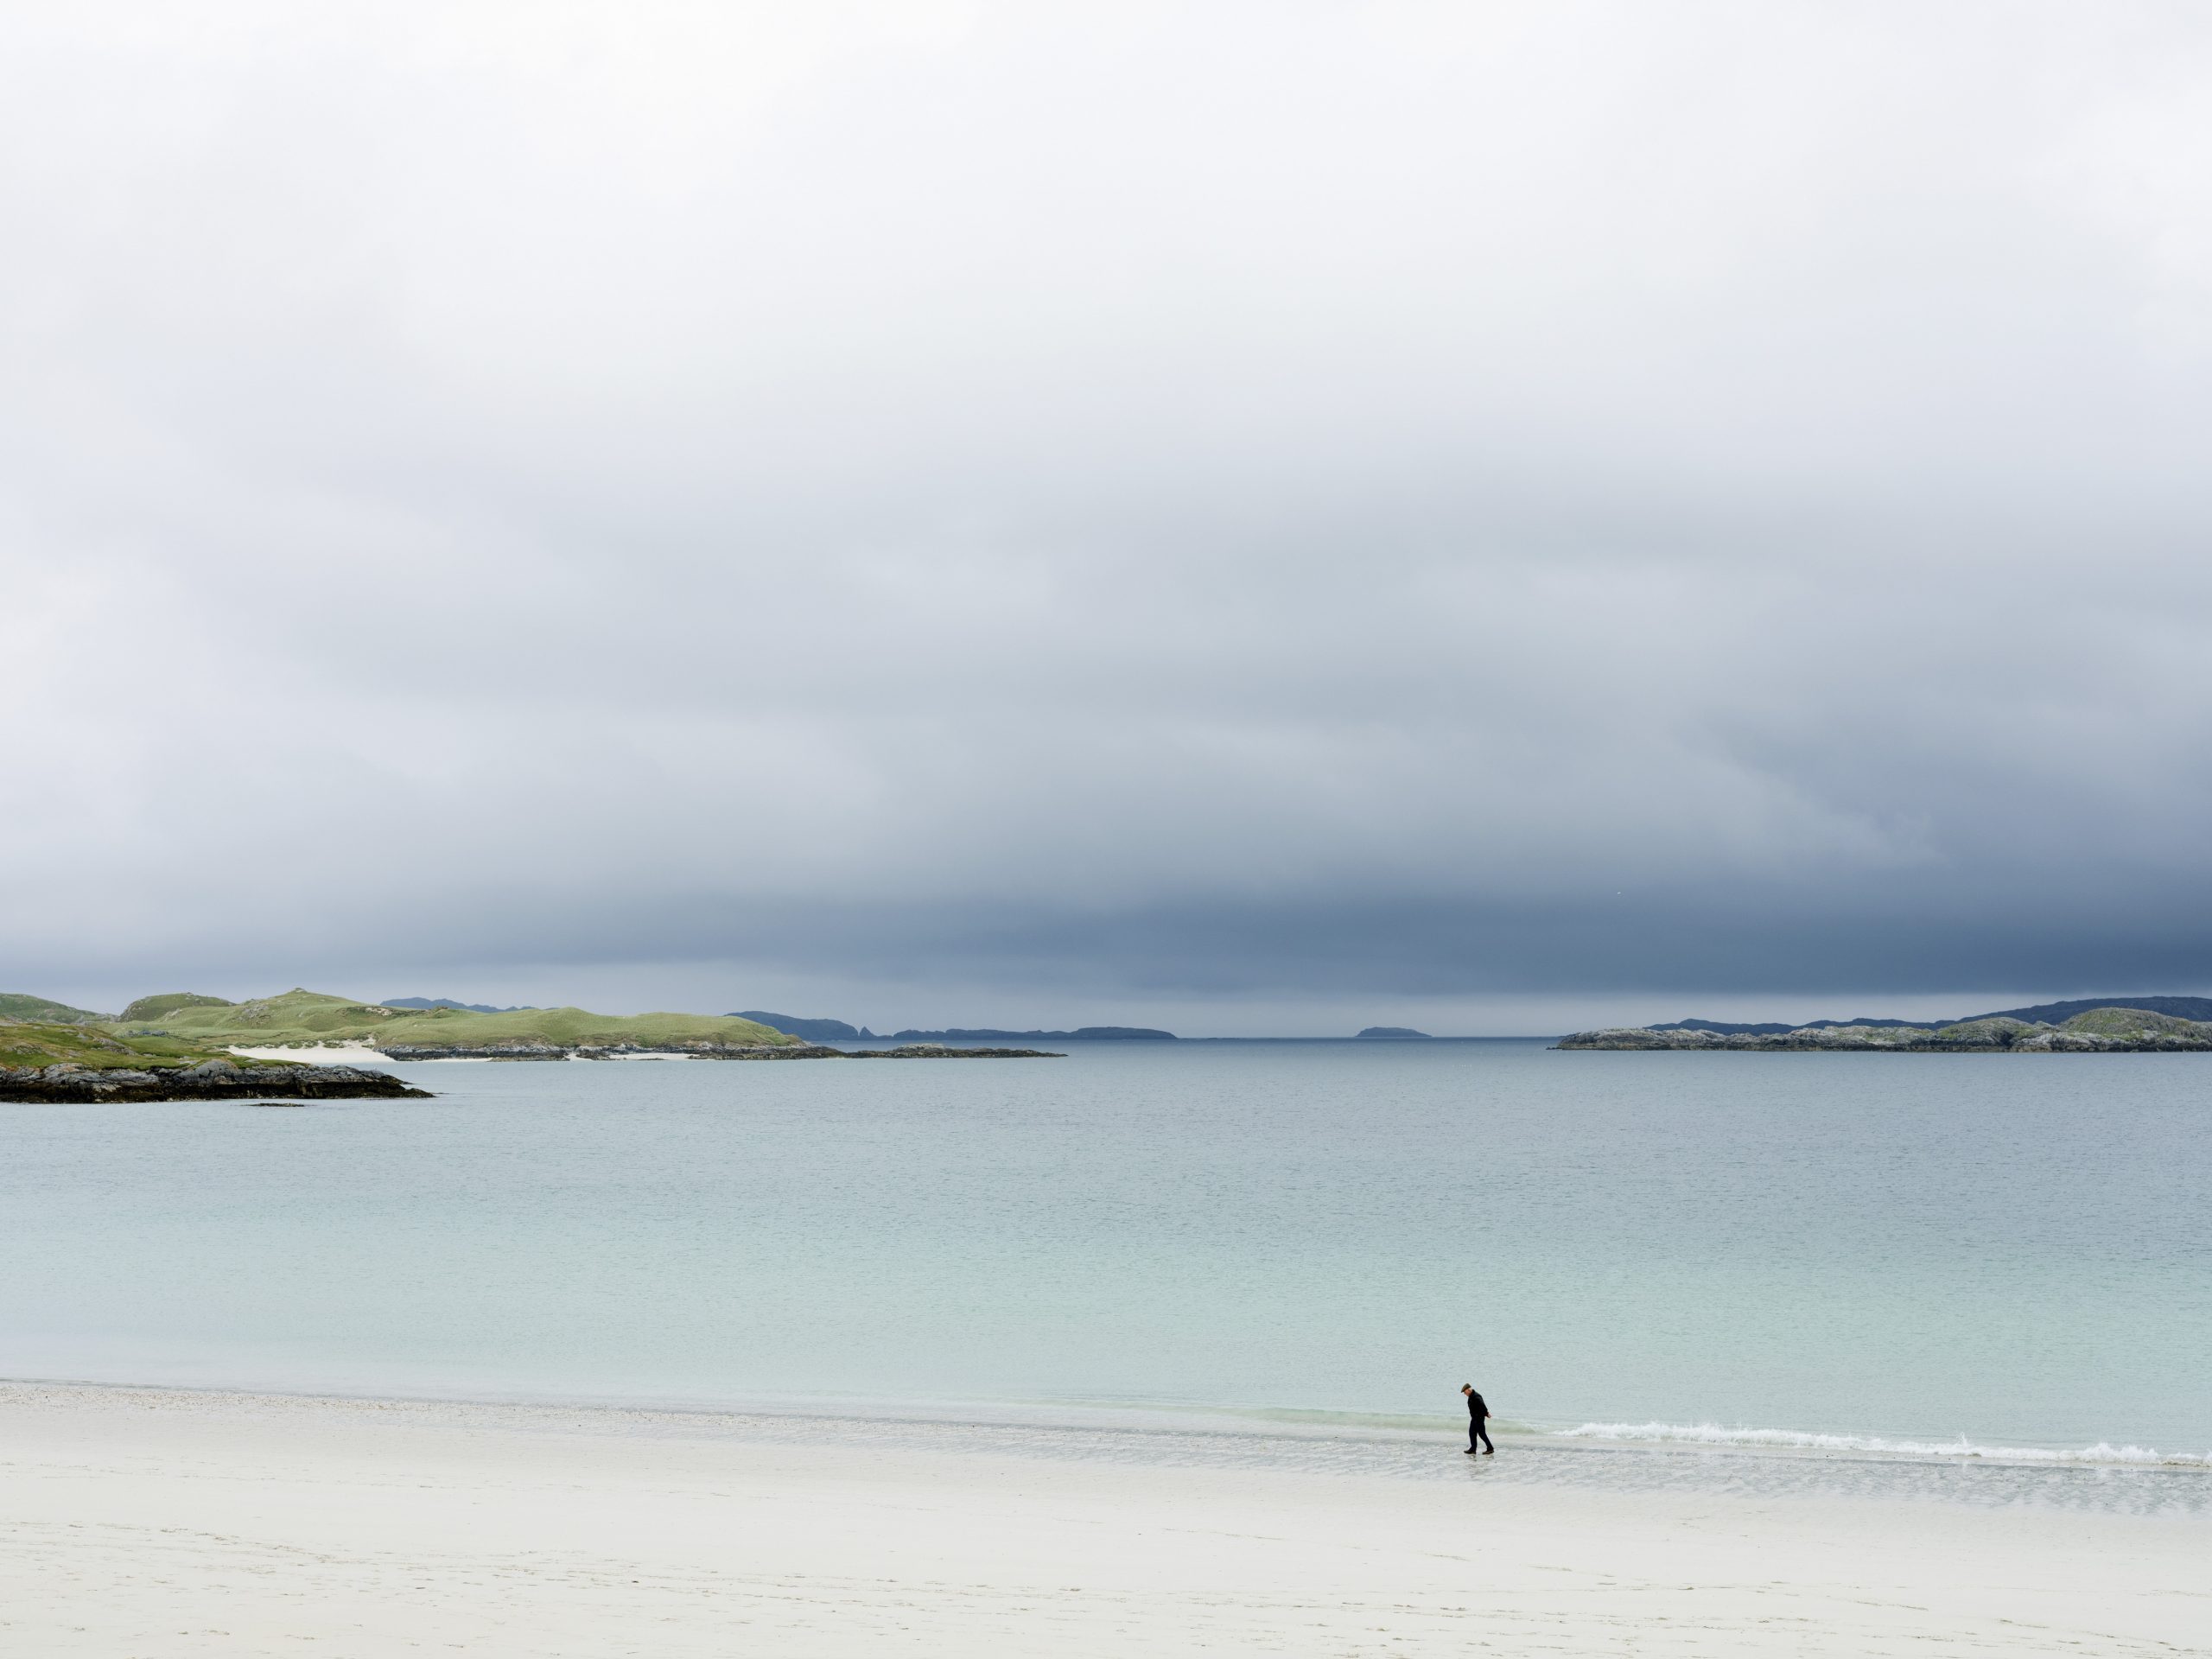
(1080, 1034)
(70, 1081)
(942, 1051)
(2099, 1030)
(524, 1049)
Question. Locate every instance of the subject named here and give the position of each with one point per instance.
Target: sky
(1250, 518)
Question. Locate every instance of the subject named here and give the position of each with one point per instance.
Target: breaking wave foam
(1799, 1441)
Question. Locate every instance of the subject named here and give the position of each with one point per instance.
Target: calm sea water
(1877, 1252)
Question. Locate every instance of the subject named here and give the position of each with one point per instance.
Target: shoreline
(349, 1054)
(187, 1523)
(1619, 1456)
(208, 1080)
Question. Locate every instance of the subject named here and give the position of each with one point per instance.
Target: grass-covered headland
(182, 1045)
(47, 1060)
(303, 1019)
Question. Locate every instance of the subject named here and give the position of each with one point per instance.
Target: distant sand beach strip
(318, 1054)
(185, 1524)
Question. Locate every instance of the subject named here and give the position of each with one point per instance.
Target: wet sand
(145, 1522)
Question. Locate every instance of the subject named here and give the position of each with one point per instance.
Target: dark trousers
(1477, 1432)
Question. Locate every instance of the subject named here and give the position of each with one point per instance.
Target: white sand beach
(316, 1054)
(143, 1522)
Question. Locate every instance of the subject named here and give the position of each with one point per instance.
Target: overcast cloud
(1245, 515)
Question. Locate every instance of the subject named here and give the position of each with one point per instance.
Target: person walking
(1478, 1414)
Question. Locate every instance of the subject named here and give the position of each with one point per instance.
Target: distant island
(1394, 1034)
(814, 1031)
(2098, 1028)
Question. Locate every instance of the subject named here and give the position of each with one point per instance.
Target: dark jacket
(1475, 1409)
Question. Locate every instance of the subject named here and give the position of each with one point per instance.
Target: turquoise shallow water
(1868, 1253)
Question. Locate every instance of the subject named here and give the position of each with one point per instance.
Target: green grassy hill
(2139, 1025)
(44, 1044)
(301, 1017)
(153, 1008)
(21, 1005)
(2002, 1031)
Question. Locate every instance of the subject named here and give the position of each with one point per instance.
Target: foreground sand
(151, 1523)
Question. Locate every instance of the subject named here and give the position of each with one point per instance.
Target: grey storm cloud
(1145, 500)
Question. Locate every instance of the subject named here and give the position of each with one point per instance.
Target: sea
(1986, 1277)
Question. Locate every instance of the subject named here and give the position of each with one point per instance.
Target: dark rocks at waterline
(1776, 1028)
(1080, 1034)
(712, 1052)
(209, 1080)
(939, 1052)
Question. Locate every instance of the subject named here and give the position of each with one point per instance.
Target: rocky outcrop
(711, 1052)
(523, 1050)
(1080, 1034)
(939, 1052)
(209, 1080)
(2103, 1031)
